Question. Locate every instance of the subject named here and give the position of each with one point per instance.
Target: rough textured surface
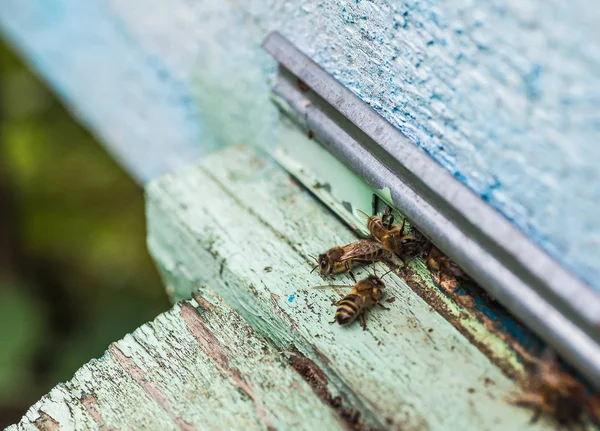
(241, 225)
(341, 190)
(505, 95)
(197, 367)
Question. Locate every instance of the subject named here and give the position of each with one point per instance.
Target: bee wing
(362, 216)
(333, 286)
(359, 249)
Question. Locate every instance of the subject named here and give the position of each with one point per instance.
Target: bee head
(409, 243)
(376, 281)
(324, 263)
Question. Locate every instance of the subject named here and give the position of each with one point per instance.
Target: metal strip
(554, 303)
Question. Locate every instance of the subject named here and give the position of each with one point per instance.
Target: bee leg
(537, 412)
(532, 360)
(386, 221)
(381, 305)
(407, 259)
(391, 264)
(529, 400)
(402, 259)
(349, 270)
(402, 227)
(363, 323)
(388, 217)
(333, 321)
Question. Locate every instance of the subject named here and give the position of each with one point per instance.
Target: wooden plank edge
(171, 374)
(192, 221)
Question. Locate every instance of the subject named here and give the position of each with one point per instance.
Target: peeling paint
(149, 387)
(201, 365)
(385, 371)
(90, 402)
(46, 423)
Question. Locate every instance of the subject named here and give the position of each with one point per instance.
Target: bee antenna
(391, 270)
(313, 257)
(313, 270)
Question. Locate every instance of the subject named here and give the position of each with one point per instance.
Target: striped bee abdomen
(349, 308)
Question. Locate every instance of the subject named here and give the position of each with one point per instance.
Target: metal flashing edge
(558, 306)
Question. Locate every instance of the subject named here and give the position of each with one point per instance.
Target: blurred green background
(75, 274)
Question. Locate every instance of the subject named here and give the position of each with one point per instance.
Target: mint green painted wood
(328, 178)
(198, 366)
(238, 223)
(345, 193)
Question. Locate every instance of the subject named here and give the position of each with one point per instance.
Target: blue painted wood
(505, 95)
(137, 104)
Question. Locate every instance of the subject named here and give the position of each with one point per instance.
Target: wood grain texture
(198, 366)
(239, 224)
(505, 95)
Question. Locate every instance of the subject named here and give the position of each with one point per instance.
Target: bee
(552, 391)
(365, 294)
(340, 259)
(439, 262)
(392, 237)
(444, 271)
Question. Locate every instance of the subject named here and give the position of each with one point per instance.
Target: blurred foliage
(75, 274)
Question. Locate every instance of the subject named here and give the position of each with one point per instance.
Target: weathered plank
(198, 366)
(240, 224)
(504, 95)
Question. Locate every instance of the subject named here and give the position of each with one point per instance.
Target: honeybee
(440, 263)
(552, 391)
(392, 237)
(340, 259)
(365, 294)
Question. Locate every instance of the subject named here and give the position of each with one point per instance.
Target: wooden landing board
(238, 223)
(198, 366)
